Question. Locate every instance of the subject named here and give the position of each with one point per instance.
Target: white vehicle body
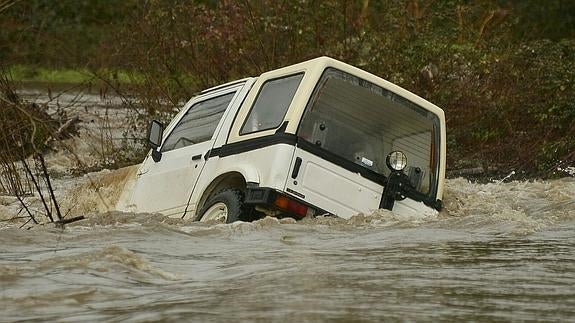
(316, 134)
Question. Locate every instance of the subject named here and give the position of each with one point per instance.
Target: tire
(225, 206)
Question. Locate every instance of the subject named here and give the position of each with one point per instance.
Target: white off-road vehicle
(316, 138)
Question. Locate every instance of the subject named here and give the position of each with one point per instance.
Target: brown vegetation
(27, 133)
(502, 71)
(508, 98)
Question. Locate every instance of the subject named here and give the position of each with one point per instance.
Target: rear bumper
(265, 196)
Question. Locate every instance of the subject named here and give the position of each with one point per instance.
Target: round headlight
(396, 161)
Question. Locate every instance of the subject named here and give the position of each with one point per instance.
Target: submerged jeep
(316, 138)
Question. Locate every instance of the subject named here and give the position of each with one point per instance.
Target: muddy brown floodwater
(499, 252)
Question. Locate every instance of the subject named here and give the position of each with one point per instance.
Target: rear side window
(199, 123)
(271, 105)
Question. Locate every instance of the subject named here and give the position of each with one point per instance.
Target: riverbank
(54, 81)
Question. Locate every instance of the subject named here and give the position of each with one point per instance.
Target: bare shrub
(26, 133)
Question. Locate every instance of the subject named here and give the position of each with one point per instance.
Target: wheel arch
(236, 178)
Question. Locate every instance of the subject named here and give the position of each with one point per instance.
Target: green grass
(41, 74)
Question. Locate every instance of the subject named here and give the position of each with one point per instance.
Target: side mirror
(155, 133)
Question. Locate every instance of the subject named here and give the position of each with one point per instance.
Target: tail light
(291, 206)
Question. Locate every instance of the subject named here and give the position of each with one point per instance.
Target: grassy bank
(47, 75)
(23, 73)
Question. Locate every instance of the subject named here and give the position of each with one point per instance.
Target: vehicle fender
(200, 194)
(250, 173)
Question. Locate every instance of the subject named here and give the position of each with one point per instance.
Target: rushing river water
(500, 252)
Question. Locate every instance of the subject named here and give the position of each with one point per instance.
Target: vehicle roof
(319, 64)
(225, 85)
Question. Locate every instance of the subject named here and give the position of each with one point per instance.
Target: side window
(271, 105)
(199, 123)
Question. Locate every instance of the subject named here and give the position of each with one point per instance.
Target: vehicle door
(165, 185)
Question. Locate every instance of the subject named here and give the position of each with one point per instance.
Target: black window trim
(256, 99)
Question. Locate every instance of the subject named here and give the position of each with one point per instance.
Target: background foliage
(503, 70)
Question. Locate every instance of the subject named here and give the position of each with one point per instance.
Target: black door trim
(252, 144)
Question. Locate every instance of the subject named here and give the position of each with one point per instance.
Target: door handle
(197, 157)
(296, 167)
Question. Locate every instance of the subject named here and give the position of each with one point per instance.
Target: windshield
(362, 123)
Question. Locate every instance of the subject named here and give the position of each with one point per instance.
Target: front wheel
(226, 206)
